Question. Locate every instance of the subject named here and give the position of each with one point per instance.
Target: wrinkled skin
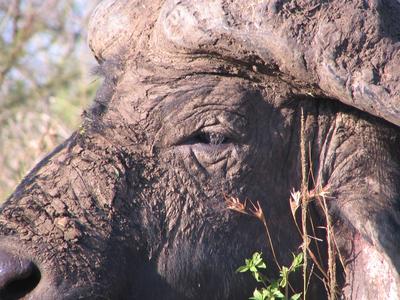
(197, 103)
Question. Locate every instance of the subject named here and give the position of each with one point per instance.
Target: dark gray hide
(201, 99)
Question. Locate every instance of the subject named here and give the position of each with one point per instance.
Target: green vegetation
(271, 289)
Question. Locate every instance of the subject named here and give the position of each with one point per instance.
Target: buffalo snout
(18, 276)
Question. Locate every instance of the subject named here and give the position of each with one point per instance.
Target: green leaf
(257, 256)
(284, 274)
(295, 296)
(278, 294)
(257, 260)
(257, 276)
(257, 295)
(283, 282)
(253, 269)
(242, 269)
(262, 265)
(275, 284)
(297, 261)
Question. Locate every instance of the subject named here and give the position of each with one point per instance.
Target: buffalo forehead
(320, 44)
(313, 42)
(230, 29)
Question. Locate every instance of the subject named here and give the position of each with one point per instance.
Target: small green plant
(271, 289)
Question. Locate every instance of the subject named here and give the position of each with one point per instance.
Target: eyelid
(212, 138)
(229, 135)
(232, 125)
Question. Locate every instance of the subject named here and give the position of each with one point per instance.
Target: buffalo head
(203, 99)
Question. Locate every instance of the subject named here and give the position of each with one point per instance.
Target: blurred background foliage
(45, 80)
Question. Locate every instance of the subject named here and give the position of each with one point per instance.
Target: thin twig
(304, 202)
(258, 213)
(331, 253)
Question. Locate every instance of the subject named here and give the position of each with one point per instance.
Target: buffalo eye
(208, 138)
(211, 138)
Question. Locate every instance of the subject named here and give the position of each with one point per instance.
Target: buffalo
(205, 99)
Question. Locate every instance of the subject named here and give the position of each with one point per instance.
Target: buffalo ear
(117, 26)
